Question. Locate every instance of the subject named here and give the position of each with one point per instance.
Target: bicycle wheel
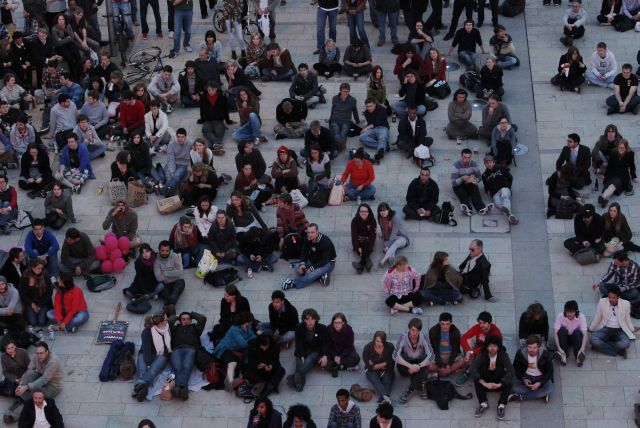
(145, 56)
(134, 77)
(249, 29)
(219, 22)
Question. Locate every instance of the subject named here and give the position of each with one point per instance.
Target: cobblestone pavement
(529, 262)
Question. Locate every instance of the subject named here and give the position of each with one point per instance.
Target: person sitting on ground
(623, 274)
(123, 221)
(154, 354)
(318, 169)
(75, 166)
(232, 303)
(201, 153)
(222, 238)
(414, 93)
(342, 352)
(459, 113)
(190, 86)
(156, 127)
(407, 60)
(203, 181)
(97, 113)
(145, 284)
(491, 115)
(14, 265)
(22, 134)
(625, 92)
(376, 88)
(283, 319)
(561, 194)
(244, 214)
(214, 113)
(88, 136)
(475, 270)
(277, 64)
(465, 179)
(291, 115)
(441, 284)
(571, 69)
(497, 181)
(607, 143)
(616, 225)
(42, 244)
(363, 237)
(185, 340)
(120, 170)
(466, 39)
(475, 339)
(579, 157)
(70, 309)
(14, 94)
(588, 227)
(248, 107)
(385, 418)
(299, 415)
(503, 48)
(574, 20)
(312, 347)
(317, 260)
(36, 292)
(608, 12)
(178, 161)
(165, 88)
(393, 233)
(256, 53)
(35, 171)
(184, 241)
(131, 116)
(168, 270)
(11, 317)
(263, 414)
(256, 251)
(412, 132)
(343, 106)
(263, 368)
(402, 283)
(570, 330)
(290, 219)
(421, 38)
(492, 370)
(414, 356)
(603, 67)
(376, 134)
(503, 142)
(329, 61)
(435, 72)
(15, 362)
(620, 174)
(445, 342)
(422, 197)
(534, 321)
(611, 328)
(78, 255)
(320, 136)
(345, 413)
(490, 79)
(247, 185)
(357, 60)
(285, 171)
(236, 79)
(377, 356)
(304, 87)
(359, 172)
(249, 154)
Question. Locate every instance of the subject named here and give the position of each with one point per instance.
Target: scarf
(330, 54)
(149, 263)
(182, 237)
(374, 83)
(39, 281)
(161, 339)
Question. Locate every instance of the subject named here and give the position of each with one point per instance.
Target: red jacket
(132, 116)
(290, 220)
(9, 195)
(417, 64)
(479, 336)
(73, 302)
(359, 176)
(430, 73)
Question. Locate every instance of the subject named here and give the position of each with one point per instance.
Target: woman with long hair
(343, 354)
(155, 351)
(616, 226)
(144, 282)
(571, 69)
(285, 171)
(35, 171)
(560, 190)
(62, 37)
(376, 88)
(248, 107)
(141, 93)
(609, 10)
(184, 241)
(113, 91)
(58, 207)
(491, 79)
(222, 238)
(201, 153)
(318, 168)
(620, 173)
(363, 237)
(231, 304)
(441, 284)
(69, 306)
(393, 233)
(378, 362)
(263, 415)
(435, 70)
(204, 216)
(140, 162)
(202, 181)
(534, 321)
(36, 292)
(604, 147)
(299, 416)
(402, 283)
(256, 52)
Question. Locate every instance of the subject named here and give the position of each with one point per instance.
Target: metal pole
(111, 28)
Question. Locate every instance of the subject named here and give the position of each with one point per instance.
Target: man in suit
(611, 328)
(578, 156)
(475, 271)
(412, 131)
(13, 267)
(40, 412)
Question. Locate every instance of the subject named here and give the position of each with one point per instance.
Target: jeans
(187, 101)
(400, 109)
(633, 103)
(502, 198)
(356, 29)
(339, 129)
(567, 340)
(399, 243)
(269, 260)
(181, 22)
(213, 131)
(382, 382)
(178, 175)
(249, 131)
(92, 20)
(36, 319)
(147, 374)
(376, 138)
(610, 340)
(288, 75)
(304, 366)
(631, 294)
(506, 61)
(78, 319)
(236, 34)
(528, 394)
(468, 58)
(96, 150)
(591, 77)
(393, 23)
(6, 218)
(304, 280)
(182, 360)
(467, 193)
(125, 9)
(441, 294)
(321, 21)
(288, 336)
(366, 193)
(155, 7)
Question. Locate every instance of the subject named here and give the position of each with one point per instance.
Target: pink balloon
(124, 244)
(108, 234)
(115, 254)
(101, 253)
(119, 265)
(111, 243)
(107, 266)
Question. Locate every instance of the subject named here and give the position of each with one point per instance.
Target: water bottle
(359, 200)
(595, 186)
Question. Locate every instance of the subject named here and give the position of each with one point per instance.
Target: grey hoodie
(459, 171)
(178, 154)
(169, 269)
(10, 299)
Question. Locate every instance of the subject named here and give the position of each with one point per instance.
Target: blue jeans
(335, 425)
(36, 319)
(142, 177)
(527, 394)
(182, 22)
(96, 150)
(179, 174)
(441, 294)
(339, 129)
(148, 374)
(376, 138)
(321, 21)
(382, 25)
(182, 361)
(6, 218)
(610, 340)
(77, 320)
(400, 109)
(506, 61)
(269, 260)
(356, 28)
(633, 103)
(277, 77)
(468, 58)
(124, 8)
(303, 280)
(630, 294)
(366, 193)
(248, 131)
(288, 336)
(591, 77)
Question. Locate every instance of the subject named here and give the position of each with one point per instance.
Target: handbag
(299, 199)
(614, 245)
(169, 205)
(336, 196)
(445, 216)
(360, 393)
(586, 256)
(441, 89)
(207, 263)
(319, 198)
(117, 191)
(136, 194)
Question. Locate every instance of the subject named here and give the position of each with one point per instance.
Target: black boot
(243, 54)
(233, 55)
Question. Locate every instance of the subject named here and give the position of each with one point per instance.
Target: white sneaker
(416, 311)
(393, 311)
(465, 210)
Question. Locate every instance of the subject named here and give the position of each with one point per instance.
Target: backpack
(445, 216)
(222, 277)
(244, 391)
(470, 80)
(23, 220)
(127, 366)
(443, 391)
(100, 283)
(586, 256)
(116, 355)
(292, 246)
(567, 209)
(22, 339)
(319, 198)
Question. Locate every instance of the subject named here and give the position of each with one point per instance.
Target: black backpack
(470, 80)
(22, 339)
(445, 216)
(292, 246)
(319, 198)
(222, 277)
(505, 153)
(100, 283)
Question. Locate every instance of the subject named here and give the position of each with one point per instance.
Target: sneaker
(626, 193)
(404, 398)
(484, 211)
(268, 268)
(188, 49)
(562, 357)
(52, 334)
(513, 219)
(423, 391)
(287, 284)
(249, 273)
(416, 311)
(546, 398)
(145, 36)
(393, 311)
(501, 412)
(465, 210)
(461, 379)
(580, 358)
(325, 280)
(169, 109)
(481, 409)
(515, 396)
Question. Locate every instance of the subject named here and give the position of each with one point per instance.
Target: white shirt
(413, 125)
(612, 321)
(532, 366)
(471, 264)
(574, 155)
(41, 420)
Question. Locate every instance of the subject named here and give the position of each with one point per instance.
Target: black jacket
(222, 240)
(187, 336)
(145, 281)
(254, 158)
(140, 157)
(545, 364)
(405, 132)
(319, 342)
(241, 79)
(306, 87)
(270, 357)
(318, 253)
(208, 71)
(217, 111)
(423, 196)
(44, 165)
(583, 161)
(283, 322)
(299, 112)
(454, 341)
(503, 373)
(528, 327)
(184, 85)
(51, 413)
(419, 93)
(589, 232)
(491, 79)
(242, 305)
(324, 140)
(497, 178)
(39, 53)
(480, 272)
(622, 168)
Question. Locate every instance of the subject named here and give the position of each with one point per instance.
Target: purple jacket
(341, 342)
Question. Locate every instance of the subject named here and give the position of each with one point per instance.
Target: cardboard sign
(111, 330)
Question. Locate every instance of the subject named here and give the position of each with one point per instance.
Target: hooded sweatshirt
(122, 224)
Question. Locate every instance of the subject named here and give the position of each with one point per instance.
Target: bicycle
(249, 25)
(122, 38)
(142, 61)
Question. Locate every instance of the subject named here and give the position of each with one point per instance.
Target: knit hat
(3, 279)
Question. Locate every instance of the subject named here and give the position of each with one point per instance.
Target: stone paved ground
(529, 263)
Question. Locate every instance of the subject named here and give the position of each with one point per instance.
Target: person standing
(182, 18)
(355, 19)
(327, 9)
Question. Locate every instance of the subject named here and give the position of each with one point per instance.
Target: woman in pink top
(402, 283)
(570, 330)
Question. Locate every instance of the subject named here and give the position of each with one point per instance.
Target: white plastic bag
(298, 198)
(264, 24)
(422, 152)
(207, 263)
